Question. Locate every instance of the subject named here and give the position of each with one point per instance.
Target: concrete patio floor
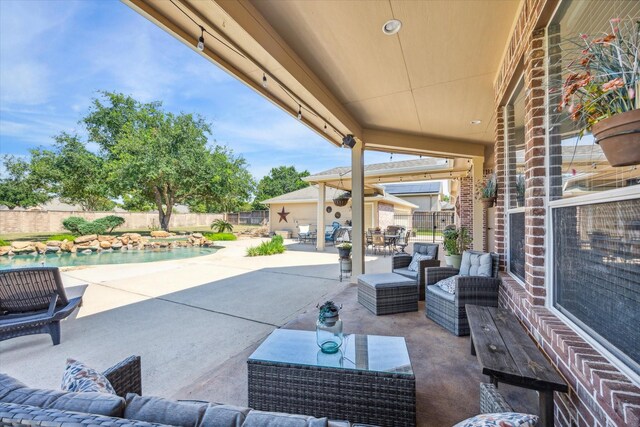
(195, 322)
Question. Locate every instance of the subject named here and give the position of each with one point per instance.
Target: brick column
(486, 174)
(501, 183)
(534, 158)
(466, 203)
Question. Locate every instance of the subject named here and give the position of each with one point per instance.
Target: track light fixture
(264, 80)
(200, 44)
(299, 112)
(326, 129)
(349, 141)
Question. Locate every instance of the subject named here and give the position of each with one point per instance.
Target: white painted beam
(357, 209)
(322, 191)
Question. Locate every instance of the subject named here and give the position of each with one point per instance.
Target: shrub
(61, 237)
(110, 222)
(272, 247)
(73, 224)
(220, 237)
(221, 226)
(4, 243)
(92, 228)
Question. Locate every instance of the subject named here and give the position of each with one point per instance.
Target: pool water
(67, 259)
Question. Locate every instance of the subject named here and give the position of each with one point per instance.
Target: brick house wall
(465, 203)
(385, 215)
(600, 394)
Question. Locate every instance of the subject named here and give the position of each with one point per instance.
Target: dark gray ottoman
(387, 293)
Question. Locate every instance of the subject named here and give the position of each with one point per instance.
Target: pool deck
(195, 321)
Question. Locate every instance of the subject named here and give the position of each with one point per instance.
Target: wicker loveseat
(24, 406)
(401, 261)
(448, 310)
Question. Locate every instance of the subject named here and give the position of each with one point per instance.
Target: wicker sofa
(401, 261)
(24, 406)
(448, 310)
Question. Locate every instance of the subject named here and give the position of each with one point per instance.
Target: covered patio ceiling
(415, 92)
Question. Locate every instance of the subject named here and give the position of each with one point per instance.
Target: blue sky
(55, 55)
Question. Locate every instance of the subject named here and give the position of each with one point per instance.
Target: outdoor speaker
(349, 141)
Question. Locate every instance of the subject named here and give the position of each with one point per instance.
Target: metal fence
(248, 218)
(426, 226)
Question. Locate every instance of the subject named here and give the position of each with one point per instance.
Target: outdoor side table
(387, 293)
(370, 380)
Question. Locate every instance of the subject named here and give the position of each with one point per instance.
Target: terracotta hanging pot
(619, 138)
(488, 202)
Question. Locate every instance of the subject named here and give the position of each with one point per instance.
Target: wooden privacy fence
(247, 218)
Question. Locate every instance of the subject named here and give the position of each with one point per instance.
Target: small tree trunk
(164, 220)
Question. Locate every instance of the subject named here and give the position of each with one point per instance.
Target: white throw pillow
(502, 419)
(448, 284)
(415, 261)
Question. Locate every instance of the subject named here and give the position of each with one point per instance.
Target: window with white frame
(594, 250)
(515, 182)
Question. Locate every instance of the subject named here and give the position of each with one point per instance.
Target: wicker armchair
(126, 376)
(33, 301)
(401, 261)
(448, 310)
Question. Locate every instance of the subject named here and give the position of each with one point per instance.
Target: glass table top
(358, 352)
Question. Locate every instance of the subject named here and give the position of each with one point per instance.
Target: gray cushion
(385, 280)
(224, 416)
(426, 249)
(87, 402)
(275, 419)
(476, 264)
(406, 272)
(437, 290)
(164, 411)
(8, 384)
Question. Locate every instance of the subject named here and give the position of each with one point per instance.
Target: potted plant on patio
(488, 191)
(344, 249)
(600, 91)
(456, 241)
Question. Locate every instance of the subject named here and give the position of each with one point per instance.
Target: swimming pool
(67, 259)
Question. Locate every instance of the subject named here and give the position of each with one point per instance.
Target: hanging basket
(488, 202)
(619, 138)
(342, 199)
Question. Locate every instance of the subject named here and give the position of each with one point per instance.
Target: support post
(478, 210)
(322, 191)
(357, 208)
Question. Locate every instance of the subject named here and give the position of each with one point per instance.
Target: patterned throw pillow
(448, 284)
(415, 261)
(503, 419)
(81, 378)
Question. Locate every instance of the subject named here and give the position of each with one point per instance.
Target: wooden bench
(508, 355)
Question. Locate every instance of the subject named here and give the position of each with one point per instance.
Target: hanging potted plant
(488, 191)
(342, 199)
(600, 91)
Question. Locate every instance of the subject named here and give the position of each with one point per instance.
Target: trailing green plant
(272, 247)
(4, 243)
(221, 226)
(62, 237)
(345, 245)
(110, 222)
(219, 237)
(603, 74)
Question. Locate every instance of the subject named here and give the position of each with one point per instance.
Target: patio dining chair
(33, 301)
(378, 242)
(304, 233)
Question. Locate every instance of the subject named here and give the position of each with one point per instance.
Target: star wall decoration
(283, 215)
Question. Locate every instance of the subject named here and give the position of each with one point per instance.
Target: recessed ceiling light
(392, 26)
(476, 122)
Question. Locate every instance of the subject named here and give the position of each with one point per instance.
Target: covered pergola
(427, 89)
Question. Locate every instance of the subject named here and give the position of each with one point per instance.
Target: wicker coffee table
(369, 381)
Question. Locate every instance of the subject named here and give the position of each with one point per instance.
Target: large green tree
(75, 174)
(18, 186)
(280, 180)
(164, 158)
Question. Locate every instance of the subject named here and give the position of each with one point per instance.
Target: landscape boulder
(197, 235)
(66, 246)
(53, 249)
(23, 247)
(160, 234)
(85, 239)
(41, 247)
(56, 243)
(5, 250)
(105, 244)
(116, 245)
